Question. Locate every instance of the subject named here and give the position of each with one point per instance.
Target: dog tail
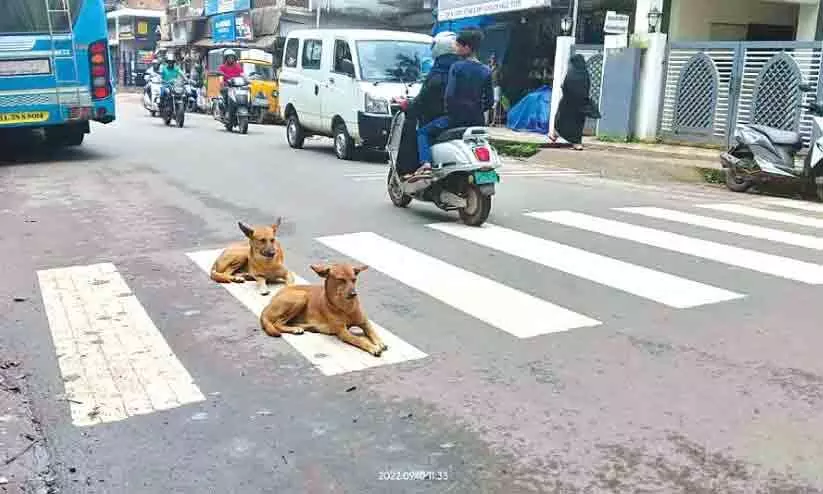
(268, 327)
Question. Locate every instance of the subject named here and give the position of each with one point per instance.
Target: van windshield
(29, 16)
(395, 61)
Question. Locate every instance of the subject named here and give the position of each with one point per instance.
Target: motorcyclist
(153, 70)
(428, 107)
(229, 69)
(468, 96)
(169, 74)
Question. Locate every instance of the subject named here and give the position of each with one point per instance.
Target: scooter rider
(153, 70)
(229, 69)
(428, 107)
(469, 95)
(170, 73)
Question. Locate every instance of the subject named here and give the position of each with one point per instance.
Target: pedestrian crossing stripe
(114, 361)
(793, 204)
(510, 310)
(783, 267)
(765, 214)
(327, 353)
(664, 288)
(754, 231)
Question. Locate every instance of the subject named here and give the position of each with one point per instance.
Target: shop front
(521, 36)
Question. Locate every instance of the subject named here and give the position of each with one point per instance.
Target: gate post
(562, 54)
(650, 89)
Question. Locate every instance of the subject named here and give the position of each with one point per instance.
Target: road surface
(595, 336)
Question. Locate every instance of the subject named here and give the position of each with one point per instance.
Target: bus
(55, 71)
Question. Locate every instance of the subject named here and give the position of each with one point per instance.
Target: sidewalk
(626, 160)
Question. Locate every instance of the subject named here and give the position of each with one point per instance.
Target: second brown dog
(331, 308)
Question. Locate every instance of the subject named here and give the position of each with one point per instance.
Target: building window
(312, 52)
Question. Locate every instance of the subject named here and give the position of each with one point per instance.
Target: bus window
(29, 16)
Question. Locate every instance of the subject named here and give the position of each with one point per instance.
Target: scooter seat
(782, 137)
(450, 135)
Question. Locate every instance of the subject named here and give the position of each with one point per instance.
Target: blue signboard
(213, 7)
(222, 28)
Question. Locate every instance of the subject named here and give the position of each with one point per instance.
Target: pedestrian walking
(575, 104)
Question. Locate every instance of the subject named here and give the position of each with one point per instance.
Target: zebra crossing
(116, 363)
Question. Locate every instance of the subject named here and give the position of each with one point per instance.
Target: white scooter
(763, 154)
(463, 172)
(151, 97)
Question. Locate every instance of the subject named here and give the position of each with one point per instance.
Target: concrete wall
(691, 20)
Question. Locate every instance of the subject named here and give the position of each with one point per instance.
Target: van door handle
(331, 80)
(316, 89)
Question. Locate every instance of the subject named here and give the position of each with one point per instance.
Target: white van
(343, 84)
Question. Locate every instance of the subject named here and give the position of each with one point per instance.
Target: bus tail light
(99, 65)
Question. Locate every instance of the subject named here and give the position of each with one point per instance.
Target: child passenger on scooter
(468, 95)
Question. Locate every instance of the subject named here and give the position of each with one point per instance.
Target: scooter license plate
(486, 177)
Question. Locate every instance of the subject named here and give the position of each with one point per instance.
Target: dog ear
(321, 269)
(246, 229)
(359, 269)
(277, 222)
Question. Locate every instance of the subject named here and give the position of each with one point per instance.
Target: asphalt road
(579, 347)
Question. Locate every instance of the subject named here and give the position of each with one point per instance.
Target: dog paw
(377, 352)
(298, 331)
(264, 293)
(238, 279)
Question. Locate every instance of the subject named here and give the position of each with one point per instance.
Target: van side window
(312, 52)
(341, 52)
(291, 52)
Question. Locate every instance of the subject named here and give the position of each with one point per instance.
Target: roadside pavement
(24, 464)
(623, 160)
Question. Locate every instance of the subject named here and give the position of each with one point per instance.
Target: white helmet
(228, 52)
(170, 57)
(444, 44)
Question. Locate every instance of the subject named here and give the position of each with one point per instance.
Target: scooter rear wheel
(478, 207)
(735, 182)
(398, 198)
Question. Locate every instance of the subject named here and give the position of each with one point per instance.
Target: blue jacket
(429, 103)
(469, 93)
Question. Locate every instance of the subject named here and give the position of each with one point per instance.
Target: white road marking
(771, 234)
(330, 355)
(647, 283)
(765, 214)
(114, 362)
(793, 204)
(510, 310)
(734, 256)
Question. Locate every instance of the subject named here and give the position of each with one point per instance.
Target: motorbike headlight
(376, 105)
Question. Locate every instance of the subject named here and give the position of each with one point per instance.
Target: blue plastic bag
(531, 113)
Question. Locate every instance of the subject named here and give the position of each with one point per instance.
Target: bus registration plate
(23, 117)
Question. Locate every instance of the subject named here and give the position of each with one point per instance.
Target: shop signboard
(223, 6)
(147, 29)
(242, 26)
(448, 10)
(223, 28)
(616, 23)
(126, 31)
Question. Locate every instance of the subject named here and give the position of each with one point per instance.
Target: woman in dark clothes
(571, 116)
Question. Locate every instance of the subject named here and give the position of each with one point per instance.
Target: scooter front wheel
(478, 207)
(398, 198)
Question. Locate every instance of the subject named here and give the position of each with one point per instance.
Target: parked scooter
(173, 106)
(763, 154)
(151, 93)
(237, 113)
(463, 172)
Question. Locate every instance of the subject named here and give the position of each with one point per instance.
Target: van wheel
(735, 182)
(294, 133)
(343, 143)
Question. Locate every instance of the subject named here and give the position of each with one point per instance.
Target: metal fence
(594, 61)
(713, 87)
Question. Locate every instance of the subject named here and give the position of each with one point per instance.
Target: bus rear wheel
(68, 135)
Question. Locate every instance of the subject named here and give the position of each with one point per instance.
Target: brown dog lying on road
(260, 259)
(331, 308)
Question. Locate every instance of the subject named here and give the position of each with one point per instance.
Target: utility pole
(576, 7)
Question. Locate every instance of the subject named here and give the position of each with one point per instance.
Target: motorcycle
(463, 172)
(173, 106)
(764, 154)
(151, 93)
(191, 97)
(237, 113)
